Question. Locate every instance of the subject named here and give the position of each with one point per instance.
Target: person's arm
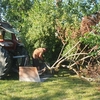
(40, 56)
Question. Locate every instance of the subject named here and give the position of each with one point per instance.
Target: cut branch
(65, 55)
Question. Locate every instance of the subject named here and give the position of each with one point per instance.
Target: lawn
(58, 87)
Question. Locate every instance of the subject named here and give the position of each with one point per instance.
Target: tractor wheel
(24, 60)
(5, 62)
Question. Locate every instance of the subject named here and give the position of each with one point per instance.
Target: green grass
(59, 87)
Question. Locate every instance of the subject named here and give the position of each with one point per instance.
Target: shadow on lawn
(62, 85)
(12, 76)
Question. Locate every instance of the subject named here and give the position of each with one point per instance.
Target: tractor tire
(5, 62)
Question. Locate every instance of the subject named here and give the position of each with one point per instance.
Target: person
(37, 57)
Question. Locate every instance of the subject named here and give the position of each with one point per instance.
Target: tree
(84, 62)
(47, 20)
(42, 30)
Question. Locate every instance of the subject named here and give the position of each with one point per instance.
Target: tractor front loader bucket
(28, 73)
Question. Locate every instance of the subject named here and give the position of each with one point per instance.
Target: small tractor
(12, 51)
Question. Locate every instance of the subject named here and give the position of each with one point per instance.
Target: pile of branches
(85, 62)
(84, 56)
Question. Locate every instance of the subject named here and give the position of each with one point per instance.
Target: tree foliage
(42, 31)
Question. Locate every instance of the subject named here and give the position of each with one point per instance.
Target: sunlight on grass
(58, 87)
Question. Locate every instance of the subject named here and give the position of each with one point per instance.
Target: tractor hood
(7, 27)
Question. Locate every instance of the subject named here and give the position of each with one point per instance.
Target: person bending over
(37, 57)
